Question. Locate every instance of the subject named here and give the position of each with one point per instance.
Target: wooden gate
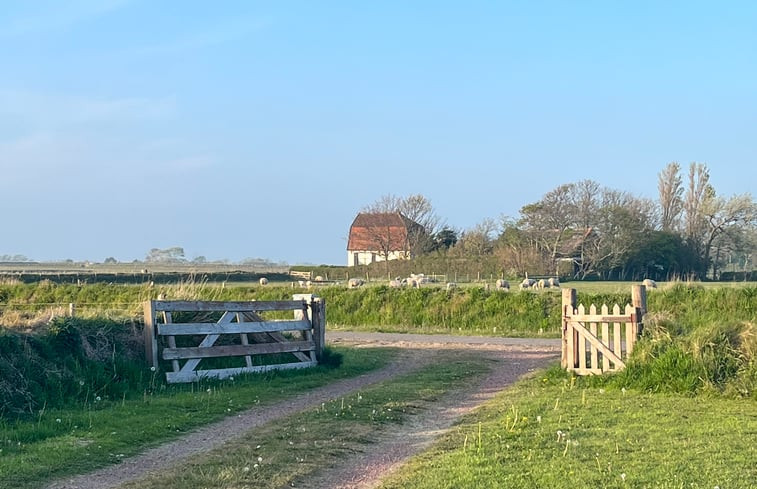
(211, 330)
(602, 341)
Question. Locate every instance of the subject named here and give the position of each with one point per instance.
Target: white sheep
(354, 283)
(542, 284)
(502, 284)
(451, 285)
(318, 278)
(649, 283)
(527, 283)
(301, 283)
(263, 281)
(554, 282)
(395, 284)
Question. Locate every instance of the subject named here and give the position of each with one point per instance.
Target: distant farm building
(378, 237)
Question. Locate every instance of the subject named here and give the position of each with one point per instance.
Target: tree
(169, 255)
(110, 260)
(445, 239)
(724, 218)
(670, 189)
(418, 209)
(549, 220)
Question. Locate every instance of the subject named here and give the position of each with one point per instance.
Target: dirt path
(515, 360)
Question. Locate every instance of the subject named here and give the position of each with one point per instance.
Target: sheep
(263, 281)
(414, 283)
(542, 284)
(451, 285)
(301, 283)
(527, 283)
(318, 278)
(396, 283)
(502, 284)
(354, 283)
(649, 283)
(554, 282)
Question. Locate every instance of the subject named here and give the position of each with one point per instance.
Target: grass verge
(547, 432)
(287, 452)
(76, 440)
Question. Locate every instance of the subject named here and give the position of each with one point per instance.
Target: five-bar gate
(188, 332)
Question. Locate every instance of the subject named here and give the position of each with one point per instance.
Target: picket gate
(599, 341)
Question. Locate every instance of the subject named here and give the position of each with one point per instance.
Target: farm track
(514, 358)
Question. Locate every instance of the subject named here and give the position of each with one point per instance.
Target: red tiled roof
(372, 231)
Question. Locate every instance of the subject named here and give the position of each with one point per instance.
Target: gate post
(568, 301)
(639, 302)
(151, 340)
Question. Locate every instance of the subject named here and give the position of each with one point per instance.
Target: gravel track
(516, 357)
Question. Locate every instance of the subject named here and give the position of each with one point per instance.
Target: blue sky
(259, 129)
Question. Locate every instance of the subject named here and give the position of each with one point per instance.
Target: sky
(260, 128)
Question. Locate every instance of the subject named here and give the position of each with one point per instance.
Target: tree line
(584, 230)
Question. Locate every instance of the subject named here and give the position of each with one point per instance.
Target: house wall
(368, 257)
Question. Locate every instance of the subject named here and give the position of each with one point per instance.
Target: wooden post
(318, 307)
(639, 302)
(568, 306)
(151, 340)
(71, 309)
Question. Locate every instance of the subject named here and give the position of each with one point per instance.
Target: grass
(553, 432)
(286, 453)
(62, 442)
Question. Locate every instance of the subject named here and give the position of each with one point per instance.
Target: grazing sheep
(263, 281)
(301, 283)
(396, 283)
(451, 285)
(527, 283)
(649, 283)
(502, 284)
(318, 278)
(413, 282)
(542, 284)
(308, 284)
(554, 282)
(354, 283)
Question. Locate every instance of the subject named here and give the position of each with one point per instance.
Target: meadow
(688, 392)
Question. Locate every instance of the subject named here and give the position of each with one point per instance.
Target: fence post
(639, 302)
(151, 340)
(319, 325)
(568, 305)
(71, 309)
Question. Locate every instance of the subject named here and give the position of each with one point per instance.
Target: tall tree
(417, 208)
(670, 189)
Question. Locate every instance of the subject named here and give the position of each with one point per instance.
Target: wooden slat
(569, 346)
(616, 333)
(195, 375)
(281, 339)
(245, 340)
(234, 306)
(585, 333)
(581, 342)
(601, 318)
(605, 338)
(630, 331)
(237, 350)
(168, 319)
(232, 328)
(588, 371)
(192, 364)
(593, 329)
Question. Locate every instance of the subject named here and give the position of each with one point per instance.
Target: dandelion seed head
(623, 476)
(246, 469)
(98, 398)
(260, 459)
(152, 369)
(57, 420)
